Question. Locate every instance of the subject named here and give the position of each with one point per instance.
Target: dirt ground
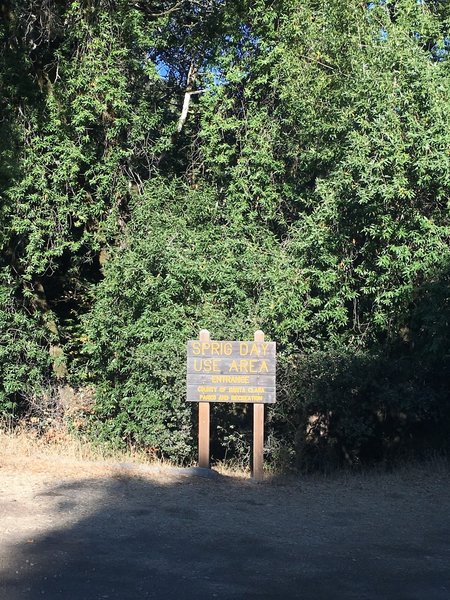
(83, 530)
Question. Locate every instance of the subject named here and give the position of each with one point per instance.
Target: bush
(177, 273)
(25, 362)
(358, 408)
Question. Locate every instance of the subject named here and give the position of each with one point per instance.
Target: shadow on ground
(129, 539)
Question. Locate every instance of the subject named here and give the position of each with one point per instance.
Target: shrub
(358, 408)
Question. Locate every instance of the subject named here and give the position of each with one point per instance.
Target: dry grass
(61, 454)
(24, 443)
(230, 469)
(43, 438)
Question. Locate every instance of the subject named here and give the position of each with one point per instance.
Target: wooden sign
(231, 371)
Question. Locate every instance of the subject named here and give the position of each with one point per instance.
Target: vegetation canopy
(230, 165)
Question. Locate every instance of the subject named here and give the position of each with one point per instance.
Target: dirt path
(89, 531)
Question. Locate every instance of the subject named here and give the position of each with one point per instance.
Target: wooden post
(258, 431)
(203, 421)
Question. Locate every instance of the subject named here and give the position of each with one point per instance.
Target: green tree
(234, 166)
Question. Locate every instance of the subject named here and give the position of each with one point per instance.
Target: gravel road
(87, 531)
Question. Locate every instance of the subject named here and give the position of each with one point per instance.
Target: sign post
(203, 420)
(231, 371)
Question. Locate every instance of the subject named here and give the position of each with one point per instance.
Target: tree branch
(187, 97)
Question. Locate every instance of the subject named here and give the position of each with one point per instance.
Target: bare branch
(187, 97)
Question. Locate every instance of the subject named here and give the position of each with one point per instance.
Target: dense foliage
(229, 165)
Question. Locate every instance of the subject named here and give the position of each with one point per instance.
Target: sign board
(231, 371)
